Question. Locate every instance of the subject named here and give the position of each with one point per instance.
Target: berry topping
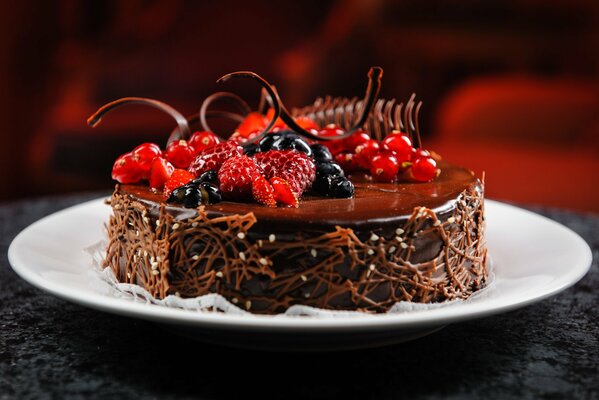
(419, 153)
(236, 176)
(178, 178)
(342, 188)
(384, 166)
(188, 195)
(291, 141)
(253, 122)
(160, 172)
(347, 162)
(263, 191)
(251, 149)
(279, 124)
(307, 124)
(214, 157)
(210, 192)
(358, 138)
(266, 142)
(335, 146)
(201, 141)
(293, 166)
(283, 193)
(321, 153)
(208, 176)
(365, 152)
(180, 153)
(328, 169)
(424, 169)
(399, 143)
(146, 152)
(127, 169)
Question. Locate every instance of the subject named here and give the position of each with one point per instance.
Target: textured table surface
(50, 348)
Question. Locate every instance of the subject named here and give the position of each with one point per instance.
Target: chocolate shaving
(183, 126)
(241, 104)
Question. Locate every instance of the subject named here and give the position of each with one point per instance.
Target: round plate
(533, 257)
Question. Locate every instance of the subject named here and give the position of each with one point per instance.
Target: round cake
(360, 238)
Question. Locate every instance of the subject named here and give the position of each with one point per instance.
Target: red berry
(424, 169)
(335, 146)
(160, 172)
(180, 153)
(214, 157)
(254, 121)
(400, 143)
(347, 161)
(127, 169)
(419, 153)
(279, 124)
(236, 176)
(358, 138)
(201, 141)
(178, 178)
(263, 192)
(307, 124)
(294, 166)
(146, 152)
(283, 193)
(365, 152)
(384, 166)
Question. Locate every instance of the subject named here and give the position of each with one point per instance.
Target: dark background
(510, 87)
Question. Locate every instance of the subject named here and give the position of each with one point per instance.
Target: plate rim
(281, 323)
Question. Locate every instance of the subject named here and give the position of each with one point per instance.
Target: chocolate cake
(392, 239)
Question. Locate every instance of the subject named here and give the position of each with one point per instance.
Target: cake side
(427, 257)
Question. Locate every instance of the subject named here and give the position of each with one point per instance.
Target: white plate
(534, 257)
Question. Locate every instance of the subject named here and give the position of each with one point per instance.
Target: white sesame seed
(176, 226)
(136, 233)
(272, 238)
(152, 259)
(219, 274)
(196, 257)
(403, 245)
(263, 261)
(374, 237)
(135, 258)
(451, 220)
(158, 258)
(177, 294)
(146, 220)
(370, 252)
(313, 252)
(242, 255)
(306, 295)
(399, 238)
(371, 267)
(248, 304)
(368, 273)
(304, 278)
(234, 300)
(155, 272)
(399, 231)
(145, 253)
(157, 223)
(128, 275)
(437, 223)
(260, 243)
(194, 224)
(241, 235)
(392, 249)
(154, 265)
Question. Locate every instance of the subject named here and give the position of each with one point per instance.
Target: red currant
(127, 169)
(180, 153)
(365, 152)
(201, 141)
(419, 153)
(335, 146)
(401, 144)
(424, 169)
(160, 172)
(347, 162)
(253, 121)
(356, 139)
(384, 166)
(307, 124)
(146, 152)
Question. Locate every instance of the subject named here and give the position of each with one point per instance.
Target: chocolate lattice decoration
(267, 273)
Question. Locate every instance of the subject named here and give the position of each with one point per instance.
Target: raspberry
(263, 191)
(283, 192)
(236, 176)
(214, 157)
(293, 166)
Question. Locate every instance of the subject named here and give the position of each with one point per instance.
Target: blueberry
(189, 195)
(328, 169)
(208, 176)
(321, 153)
(177, 195)
(342, 188)
(291, 141)
(210, 192)
(251, 149)
(322, 185)
(266, 142)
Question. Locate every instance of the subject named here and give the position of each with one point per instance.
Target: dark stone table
(53, 349)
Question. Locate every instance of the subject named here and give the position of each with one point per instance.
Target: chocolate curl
(407, 116)
(241, 104)
(183, 126)
(269, 89)
(416, 139)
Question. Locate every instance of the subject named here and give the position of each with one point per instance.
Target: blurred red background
(510, 87)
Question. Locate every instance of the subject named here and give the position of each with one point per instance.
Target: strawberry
(283, 193)
(263, 192)
(214, 157)
(236, 176)
(295, 167)
(160, 171)
(178, 178)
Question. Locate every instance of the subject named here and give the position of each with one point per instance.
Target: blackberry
(321, 153)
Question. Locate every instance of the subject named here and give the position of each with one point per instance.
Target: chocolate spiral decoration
(183, 126)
